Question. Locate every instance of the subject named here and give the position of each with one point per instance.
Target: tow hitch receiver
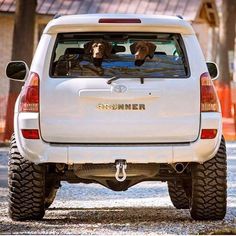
(121, 166)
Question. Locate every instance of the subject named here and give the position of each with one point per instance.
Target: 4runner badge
(121, 107)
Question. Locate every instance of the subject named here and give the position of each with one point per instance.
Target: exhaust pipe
(179, 167)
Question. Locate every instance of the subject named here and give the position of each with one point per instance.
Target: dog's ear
(152, 47)
(108, 49)
(87, 47)
(132, 47)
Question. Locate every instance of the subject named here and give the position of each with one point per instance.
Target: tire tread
(178, 195)
(209, 187)
(26, 187)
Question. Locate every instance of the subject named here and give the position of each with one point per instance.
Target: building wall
(6, 32)
(204, 35)
(6, 37)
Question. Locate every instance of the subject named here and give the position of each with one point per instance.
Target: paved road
(93, 209)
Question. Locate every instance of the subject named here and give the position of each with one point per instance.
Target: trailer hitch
(121, 166)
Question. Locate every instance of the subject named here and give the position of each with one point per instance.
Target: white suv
(117, 100)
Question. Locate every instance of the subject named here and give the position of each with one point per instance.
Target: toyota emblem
(119, 88)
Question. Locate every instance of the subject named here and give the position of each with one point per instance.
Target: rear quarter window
(119, 55)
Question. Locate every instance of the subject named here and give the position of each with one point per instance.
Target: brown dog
(98, 50)
(142, 50)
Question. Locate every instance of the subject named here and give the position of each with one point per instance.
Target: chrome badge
(121, 107)
(119, 88)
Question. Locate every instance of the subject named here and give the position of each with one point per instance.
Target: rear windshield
(123, 55)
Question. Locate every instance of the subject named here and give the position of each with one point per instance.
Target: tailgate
(91, 111)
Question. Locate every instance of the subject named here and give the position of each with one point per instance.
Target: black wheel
(178, 194)
(209, 187)
(26, 187)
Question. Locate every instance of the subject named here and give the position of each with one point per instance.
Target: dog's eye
(142, 48)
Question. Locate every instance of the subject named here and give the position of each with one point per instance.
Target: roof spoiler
(57, 16)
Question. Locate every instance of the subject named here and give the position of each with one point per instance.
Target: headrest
(160, 53)
(116, 49)
(74, 51)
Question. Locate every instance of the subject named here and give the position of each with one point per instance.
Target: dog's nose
(139, 56)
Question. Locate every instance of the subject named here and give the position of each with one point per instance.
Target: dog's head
(141, 50)
(98, 49)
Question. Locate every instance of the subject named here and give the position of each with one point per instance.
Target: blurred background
(22, 23)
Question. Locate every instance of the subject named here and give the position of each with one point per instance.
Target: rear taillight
(208, 133)
(29, 101)
(30, 133)
(209, 101)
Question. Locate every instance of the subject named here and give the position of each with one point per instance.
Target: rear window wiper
(116, 78)
(112, 79)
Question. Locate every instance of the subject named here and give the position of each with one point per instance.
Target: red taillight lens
(122, 21)
(29, 101)
(30, 133)
(208, 133)
(209, 101)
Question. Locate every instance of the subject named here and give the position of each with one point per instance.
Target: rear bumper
(39, 151)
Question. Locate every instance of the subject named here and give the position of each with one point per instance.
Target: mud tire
(178, 195)
(209, 187)
(26, 187)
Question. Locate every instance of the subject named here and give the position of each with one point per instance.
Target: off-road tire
(178, 195)
(50, 195)
(209, 187)
(26, 187)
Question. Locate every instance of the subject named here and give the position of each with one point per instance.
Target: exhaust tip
(179, 167)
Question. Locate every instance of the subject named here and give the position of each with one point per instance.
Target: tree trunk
(227, 35)
(23, 46)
